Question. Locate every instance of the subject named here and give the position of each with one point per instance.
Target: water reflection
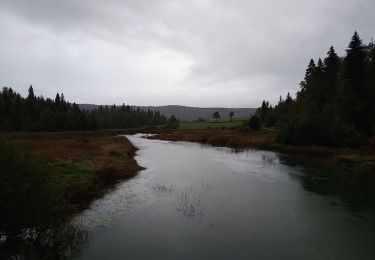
(350, 188)
(54, 240)
(270, 159)
(220, 203)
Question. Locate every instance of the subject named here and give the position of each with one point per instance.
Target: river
(202, 202)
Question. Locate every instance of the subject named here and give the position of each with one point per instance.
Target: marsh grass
(34, 219)
(84, 164)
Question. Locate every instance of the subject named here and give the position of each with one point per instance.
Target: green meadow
(225, 123)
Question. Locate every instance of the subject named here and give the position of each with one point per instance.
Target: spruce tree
(355, 107)
(332, 65)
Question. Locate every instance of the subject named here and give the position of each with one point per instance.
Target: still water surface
(199, 202)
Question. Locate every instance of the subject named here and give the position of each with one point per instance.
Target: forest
(44, 114)
(335, 105)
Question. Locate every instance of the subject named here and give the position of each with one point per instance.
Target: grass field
(213, 125)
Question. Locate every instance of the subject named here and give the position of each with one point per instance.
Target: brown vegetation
(86, 163)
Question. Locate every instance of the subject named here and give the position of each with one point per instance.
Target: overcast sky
(157, 52)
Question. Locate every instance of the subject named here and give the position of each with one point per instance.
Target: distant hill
(191, 113)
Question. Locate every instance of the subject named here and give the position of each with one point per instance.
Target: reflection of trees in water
(54, 240)
(353, 189)
(270, 159)
(227, 150)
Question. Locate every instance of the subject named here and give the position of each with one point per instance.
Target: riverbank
(84, 164)
(46, 178)
(359, 160)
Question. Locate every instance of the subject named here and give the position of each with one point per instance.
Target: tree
(355, 61)
(173, 122)
(57, 99)
(332, 66)
(216, 115)
(370, 84)
(254, 122)
(31, 111)
(310, 72)
(31, 95)
(39, 114)
(231, 114)
(47, 120)
(288, 99)
(336, 103)
(354, 105)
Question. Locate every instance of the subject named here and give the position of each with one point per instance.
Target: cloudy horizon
(202, 53)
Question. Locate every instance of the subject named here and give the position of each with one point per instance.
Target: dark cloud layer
(200, 52)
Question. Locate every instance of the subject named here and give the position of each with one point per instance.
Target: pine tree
(355, 108)
(31, 110)
(57, 100)
(332, 65)
(355, 62)
(336, 103)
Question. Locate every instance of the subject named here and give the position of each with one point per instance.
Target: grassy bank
(85, 164)
(361, 160)
(213, 124)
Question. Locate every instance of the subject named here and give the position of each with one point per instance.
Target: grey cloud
(257, 48)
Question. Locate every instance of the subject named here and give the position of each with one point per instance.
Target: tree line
(36, 113)
(335, 105)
